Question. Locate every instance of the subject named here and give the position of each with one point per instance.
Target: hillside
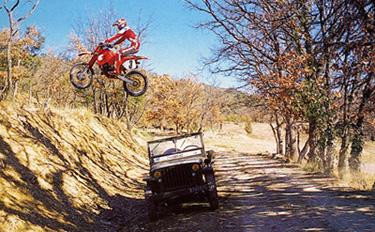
(71, 170)
(66, 171)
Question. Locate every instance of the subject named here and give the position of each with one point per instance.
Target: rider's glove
(108, 45)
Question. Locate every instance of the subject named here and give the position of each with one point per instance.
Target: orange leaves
(77, 45)
(282, 83)
(23, 47)
(178, 103)
(337, 94)
(19, 72)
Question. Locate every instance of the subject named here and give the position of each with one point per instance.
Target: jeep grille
(178, 177)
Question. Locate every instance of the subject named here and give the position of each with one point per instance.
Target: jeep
(180, 171)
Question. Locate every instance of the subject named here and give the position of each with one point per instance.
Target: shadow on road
(262, 194)
(258, 193)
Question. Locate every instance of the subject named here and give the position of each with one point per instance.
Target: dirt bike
(135, 82)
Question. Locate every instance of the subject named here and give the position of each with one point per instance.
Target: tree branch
(28, 14)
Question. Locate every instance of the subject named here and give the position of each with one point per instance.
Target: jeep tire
(213, 198)
(152, 206)
(152, 209)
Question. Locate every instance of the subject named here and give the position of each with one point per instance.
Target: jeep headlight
(195, 167)
(157, 174)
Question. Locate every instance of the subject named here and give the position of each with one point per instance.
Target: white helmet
(121, 23)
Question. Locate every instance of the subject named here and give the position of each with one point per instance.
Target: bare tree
(108, 97)
(13, 30)
(328, 44)
(255, 49)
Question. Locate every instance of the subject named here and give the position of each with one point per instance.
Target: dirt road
(258, 193)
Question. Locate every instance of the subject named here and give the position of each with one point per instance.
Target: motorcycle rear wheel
(140, 83)
(81, 76)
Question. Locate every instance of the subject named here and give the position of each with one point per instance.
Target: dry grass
(368, 163)
(62, 170)
(234, 138)
(58, 169)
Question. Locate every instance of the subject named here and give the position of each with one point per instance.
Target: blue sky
(174, 47)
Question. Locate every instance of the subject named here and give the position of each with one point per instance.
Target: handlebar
(105, 44)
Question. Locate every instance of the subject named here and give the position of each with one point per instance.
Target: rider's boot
(114, 72)
(117, 66)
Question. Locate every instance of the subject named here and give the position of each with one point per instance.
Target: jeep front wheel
(152, 206)
(213, 198)
(152, 209)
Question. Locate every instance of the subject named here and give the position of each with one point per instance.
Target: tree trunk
(12, 31)
(328, 168)
(276, 138)
(95, 101)
(292, 142)
(15, 91)
(357, 147)
(9, 68)
(279, 137)
(357, 141)
(343, 156)
(177, 128)
(287, 141)
(311, 139)
(304, 151)
(355, 156)
(345, 129)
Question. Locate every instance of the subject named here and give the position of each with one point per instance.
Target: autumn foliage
(309, 65)
(312, 62)
(185, 104)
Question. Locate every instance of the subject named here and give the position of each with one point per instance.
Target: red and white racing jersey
(126, 34)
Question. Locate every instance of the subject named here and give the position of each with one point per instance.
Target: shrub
(248, 127)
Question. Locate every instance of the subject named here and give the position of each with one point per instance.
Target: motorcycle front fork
(127, 80)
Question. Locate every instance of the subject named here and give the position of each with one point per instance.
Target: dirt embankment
(66, 171)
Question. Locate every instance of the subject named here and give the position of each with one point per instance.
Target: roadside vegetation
(312, 62)
(312, 82)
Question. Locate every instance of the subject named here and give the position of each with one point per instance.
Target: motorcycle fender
(92, 60)
(84, 53)
(142, 58)
(132, 62)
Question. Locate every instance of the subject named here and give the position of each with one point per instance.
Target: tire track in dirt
(258, 193)
(270, 195)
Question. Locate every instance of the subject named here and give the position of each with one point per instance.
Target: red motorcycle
(135, 82)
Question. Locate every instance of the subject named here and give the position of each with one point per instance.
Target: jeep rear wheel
(213, 198)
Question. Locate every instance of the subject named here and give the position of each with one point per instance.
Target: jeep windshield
(176, 148)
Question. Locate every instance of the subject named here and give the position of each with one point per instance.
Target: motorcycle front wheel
(139, 85)
(81, 76)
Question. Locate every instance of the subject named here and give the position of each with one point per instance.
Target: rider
(124, 33)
